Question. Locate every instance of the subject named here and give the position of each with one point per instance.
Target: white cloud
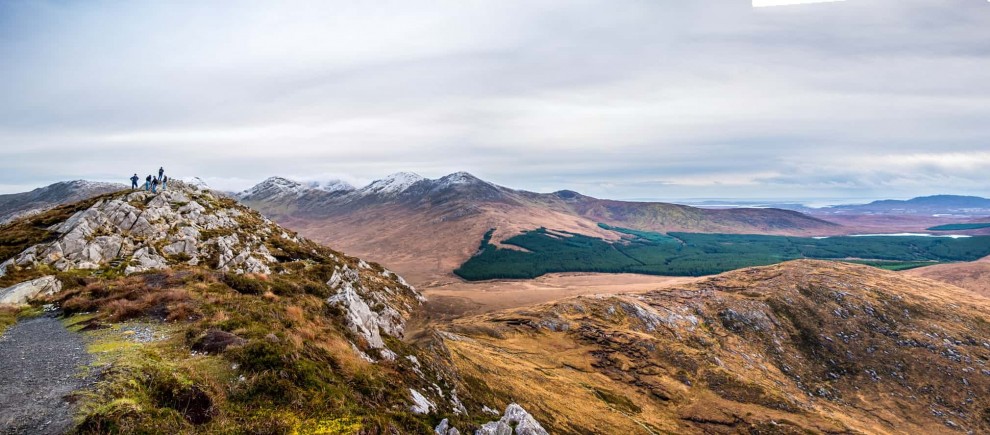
(768, 3)
(658, 98)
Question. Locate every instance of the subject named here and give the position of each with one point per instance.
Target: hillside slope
(17, 205)
(973, 276)
(426, 228)
(801, 347)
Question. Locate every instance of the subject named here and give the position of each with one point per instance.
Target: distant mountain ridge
(923, 205)
(17, 205)
(435, 224)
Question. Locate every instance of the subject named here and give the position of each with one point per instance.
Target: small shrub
(243, 284)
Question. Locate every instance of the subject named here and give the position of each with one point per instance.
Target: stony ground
(39, 368)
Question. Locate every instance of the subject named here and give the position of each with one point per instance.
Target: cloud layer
(637, 99)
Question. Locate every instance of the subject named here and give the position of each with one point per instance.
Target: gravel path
(39, 367)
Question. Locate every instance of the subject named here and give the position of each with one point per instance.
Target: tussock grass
(295, 371)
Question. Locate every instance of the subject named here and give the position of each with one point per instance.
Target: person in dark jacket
(161, 173)
(164, 181)
(134, 181)
(147, 184)
(154, 185)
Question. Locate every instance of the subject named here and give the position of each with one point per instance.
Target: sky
(653, 99)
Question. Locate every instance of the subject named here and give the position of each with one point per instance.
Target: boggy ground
(801, 347)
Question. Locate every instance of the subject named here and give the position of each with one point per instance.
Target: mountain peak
(459, 178)
(330, 186)
(274, 187)
(393, 184)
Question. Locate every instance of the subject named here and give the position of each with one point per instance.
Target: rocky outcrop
(515, 421)
(421, 405)
(515, 417)
(444, 428)
(145, 231)
(139, 231)
(371, 313)
(20, 294)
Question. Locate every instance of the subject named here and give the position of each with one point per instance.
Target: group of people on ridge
(151, 183)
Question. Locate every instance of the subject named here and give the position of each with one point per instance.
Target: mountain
(331, 186)
(18, 205)
(800, 347)
(926, 205)
(426, 228)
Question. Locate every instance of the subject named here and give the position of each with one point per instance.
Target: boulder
(146, 259)
(444, 428)
(515, 416)
(19, 294)
(421, 405)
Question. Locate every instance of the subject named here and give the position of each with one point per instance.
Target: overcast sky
(621, 99)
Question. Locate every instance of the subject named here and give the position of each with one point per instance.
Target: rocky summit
(139, 229)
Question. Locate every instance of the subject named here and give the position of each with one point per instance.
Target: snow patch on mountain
(458, 178)
(392, 184)
(275, 187)
(196, 183)
(331, 186)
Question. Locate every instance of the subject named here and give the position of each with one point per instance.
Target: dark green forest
(960, 227)
(696, 254)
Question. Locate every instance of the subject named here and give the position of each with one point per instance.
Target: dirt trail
(39, 368)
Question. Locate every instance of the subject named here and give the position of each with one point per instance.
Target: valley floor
(451, 300)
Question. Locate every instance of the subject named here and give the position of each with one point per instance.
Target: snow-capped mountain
(197, 183)
(458, 178)
(17, 205)
(280, 187)
(331, 186)
(392, 184)
(418, 223)
(274, 188)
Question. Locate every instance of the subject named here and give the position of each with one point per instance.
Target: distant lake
(950, 236)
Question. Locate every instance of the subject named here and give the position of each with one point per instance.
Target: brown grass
(805, 346)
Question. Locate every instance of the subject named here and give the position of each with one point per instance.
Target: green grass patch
(10, 314)
(697, 254)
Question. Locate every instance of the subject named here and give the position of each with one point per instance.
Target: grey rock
(515, 416)
(360, 318)
(421, 405)
(146, 259)
(19, 294)
(444, 428)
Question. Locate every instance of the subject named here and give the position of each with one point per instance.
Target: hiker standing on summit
(164, 181)
(134, 181)
(161, 173)
(147, 184)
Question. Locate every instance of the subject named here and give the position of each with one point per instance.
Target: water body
(949, 236)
